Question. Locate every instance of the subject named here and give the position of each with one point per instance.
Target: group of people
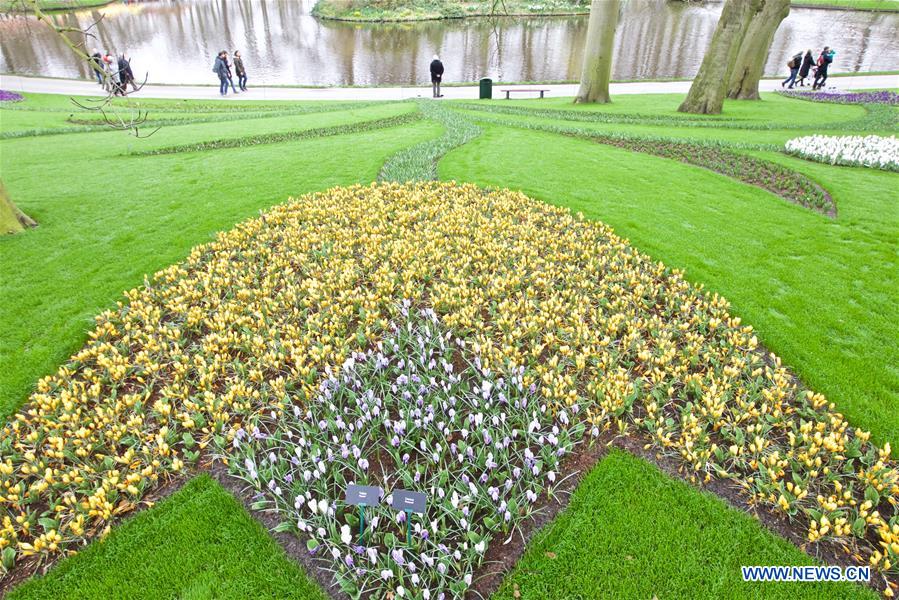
(222, 68)
(113, 73)
(801, 65)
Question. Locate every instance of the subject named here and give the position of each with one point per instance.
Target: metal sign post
(362, 496)
(409, 502)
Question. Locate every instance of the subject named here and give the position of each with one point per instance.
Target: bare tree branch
(110, 79)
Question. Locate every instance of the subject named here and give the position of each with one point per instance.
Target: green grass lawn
(198, 543)
(820, 292)
(632, 532)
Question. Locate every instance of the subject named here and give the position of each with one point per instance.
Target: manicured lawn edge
(293, 545)
(619, 539)
(29, 569)
(196, 542)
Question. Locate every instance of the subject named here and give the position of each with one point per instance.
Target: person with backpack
(240, 71)
(793, 65)
(220, 68)
(436, 76)
(823, 63)
(807, 62)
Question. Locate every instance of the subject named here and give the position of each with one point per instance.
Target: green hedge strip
(287, 136)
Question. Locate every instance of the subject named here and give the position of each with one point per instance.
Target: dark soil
(501, 556)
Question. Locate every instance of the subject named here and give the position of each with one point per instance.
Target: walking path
(79, 87)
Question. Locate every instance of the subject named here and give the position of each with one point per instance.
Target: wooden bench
(525, 90)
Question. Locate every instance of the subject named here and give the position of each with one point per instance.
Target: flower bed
(410, 414)
(257, 320)
(7, 96)
(869, 151)
(872, 97)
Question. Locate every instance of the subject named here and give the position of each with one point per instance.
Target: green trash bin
(486, 88)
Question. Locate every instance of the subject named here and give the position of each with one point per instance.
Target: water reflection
(175, 42)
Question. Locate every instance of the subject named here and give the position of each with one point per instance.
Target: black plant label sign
(409, 501)
(363, 495)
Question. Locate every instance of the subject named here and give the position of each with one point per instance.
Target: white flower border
(853, 150)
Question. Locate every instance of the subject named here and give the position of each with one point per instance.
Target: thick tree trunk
(12, 220)
(750, 63)
(706, 95)
(597, 68)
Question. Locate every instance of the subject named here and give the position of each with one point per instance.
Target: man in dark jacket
(807, 62)
(96, 65)
(125, 73)
(823, 63)
(436, 76)
(220, 68)
(794, 70)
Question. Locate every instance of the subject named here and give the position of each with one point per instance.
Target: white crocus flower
(853, 150)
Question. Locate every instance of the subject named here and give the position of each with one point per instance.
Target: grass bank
(51, 5)
(875, 5)
(427, 10)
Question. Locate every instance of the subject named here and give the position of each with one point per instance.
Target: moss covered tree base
(12, 220)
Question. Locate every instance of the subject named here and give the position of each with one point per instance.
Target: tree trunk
(750, 63)
(597, 68)
(12, 220)
(706, 95)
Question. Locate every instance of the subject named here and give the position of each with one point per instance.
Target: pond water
(175, 41)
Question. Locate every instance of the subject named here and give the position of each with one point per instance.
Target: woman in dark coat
(436, 76)
(228, 68)
(807, 62)
(240, 71)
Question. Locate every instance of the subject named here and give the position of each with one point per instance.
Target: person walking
(220, 68)
(96, 65)
(240, 71)
(436, 76)
(230, 77)
(793, 65)
(823, 63)
(126, 74)
(807, 62)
